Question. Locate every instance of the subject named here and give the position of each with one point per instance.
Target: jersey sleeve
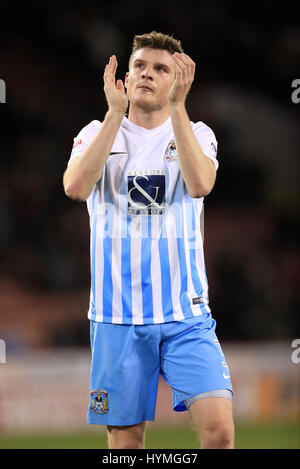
(81, 141)
(207, 142)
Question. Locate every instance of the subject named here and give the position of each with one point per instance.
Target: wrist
(176, 107)
(116, 113)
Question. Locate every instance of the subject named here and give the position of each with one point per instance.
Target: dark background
(52, 58)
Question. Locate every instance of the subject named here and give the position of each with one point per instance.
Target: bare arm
(85, 170)
(198, 171)
(83, 173)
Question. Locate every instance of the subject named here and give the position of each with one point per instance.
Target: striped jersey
(146, 243)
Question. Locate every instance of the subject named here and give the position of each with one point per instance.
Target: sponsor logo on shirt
(146, 192)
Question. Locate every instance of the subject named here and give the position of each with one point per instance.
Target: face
(151, 75)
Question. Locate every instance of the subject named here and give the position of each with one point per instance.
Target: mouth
(145, 88)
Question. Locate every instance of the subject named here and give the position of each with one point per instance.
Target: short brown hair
(155, 40)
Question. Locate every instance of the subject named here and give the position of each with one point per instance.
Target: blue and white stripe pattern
(145, 268)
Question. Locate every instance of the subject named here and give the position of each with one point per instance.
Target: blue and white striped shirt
(146, 245)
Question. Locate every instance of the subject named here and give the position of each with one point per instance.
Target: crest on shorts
(171, 154)
(99, 401)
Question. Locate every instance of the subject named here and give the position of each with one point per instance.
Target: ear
(126, 79)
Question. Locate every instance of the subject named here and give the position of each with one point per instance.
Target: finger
(178, 75)
(111, 65)
(120, 86)
(107, 67)
(110, 70)
(181, 68)
(191, 65)
(188, 58)
(107, 77)
(185, 61)
(187, 66)
(114, 63)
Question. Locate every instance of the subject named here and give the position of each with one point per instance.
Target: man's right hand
(115, 92)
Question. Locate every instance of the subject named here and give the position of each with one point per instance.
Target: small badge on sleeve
(214, 148)
(78, 142)
(99, 401)
(197, 300)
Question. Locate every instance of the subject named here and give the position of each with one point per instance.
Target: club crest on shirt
(99, 401)
(170, 153)
(146, 192)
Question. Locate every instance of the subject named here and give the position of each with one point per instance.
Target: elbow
(74, 192)
(202, 190)
(198, 192)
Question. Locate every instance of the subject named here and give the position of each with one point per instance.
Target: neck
(148, 119)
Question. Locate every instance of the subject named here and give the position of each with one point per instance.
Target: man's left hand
(184, 77)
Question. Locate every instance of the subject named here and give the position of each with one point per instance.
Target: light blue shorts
(127, 360)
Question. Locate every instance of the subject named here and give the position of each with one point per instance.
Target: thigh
(192, 361)
(213, 420)
(210, 412)
(130, 437)
(124, 375)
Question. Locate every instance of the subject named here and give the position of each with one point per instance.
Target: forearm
(81, 176)
(197, 169)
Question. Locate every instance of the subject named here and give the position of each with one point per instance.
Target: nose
(147, 73)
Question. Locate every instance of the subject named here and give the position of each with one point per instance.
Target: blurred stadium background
(52, 57)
